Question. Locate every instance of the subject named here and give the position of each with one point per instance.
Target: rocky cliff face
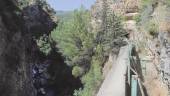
(13, 60)
(164, 34)
(151, 39)
(17, 29)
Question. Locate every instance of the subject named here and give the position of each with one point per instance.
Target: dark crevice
(60, 80)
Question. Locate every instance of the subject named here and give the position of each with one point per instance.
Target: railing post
(129, 64)
(134, 87)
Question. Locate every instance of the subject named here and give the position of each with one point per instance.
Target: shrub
(153, 28)
(23, 3)
(44, 44)
(77, 71)
(91, 80)
(137, 18)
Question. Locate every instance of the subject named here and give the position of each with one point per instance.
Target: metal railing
(134, 80)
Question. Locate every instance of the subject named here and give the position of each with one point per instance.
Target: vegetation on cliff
(86, 51)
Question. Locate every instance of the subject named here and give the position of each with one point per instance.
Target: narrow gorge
(84, 48)
(24, 69)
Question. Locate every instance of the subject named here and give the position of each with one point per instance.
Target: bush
(91, 80)
(77, 71)
(44, 44)
(23, 3)
(137, 18)
(153, 28)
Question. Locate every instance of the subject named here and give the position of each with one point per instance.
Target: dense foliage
(86, 51)
(74, 40)
(76, 43)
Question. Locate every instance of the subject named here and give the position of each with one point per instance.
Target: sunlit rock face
(164, 38)
(165, 57)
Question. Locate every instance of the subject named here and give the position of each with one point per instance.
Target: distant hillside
(64, 15)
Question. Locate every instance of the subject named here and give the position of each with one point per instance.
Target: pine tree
(111, 30)
(74, 39)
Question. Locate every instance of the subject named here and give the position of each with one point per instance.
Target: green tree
(73, 36)
(111, 30)
(86, 51)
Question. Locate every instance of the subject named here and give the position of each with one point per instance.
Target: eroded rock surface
(16, 46)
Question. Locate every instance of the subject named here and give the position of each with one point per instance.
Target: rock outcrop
(17, 28)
